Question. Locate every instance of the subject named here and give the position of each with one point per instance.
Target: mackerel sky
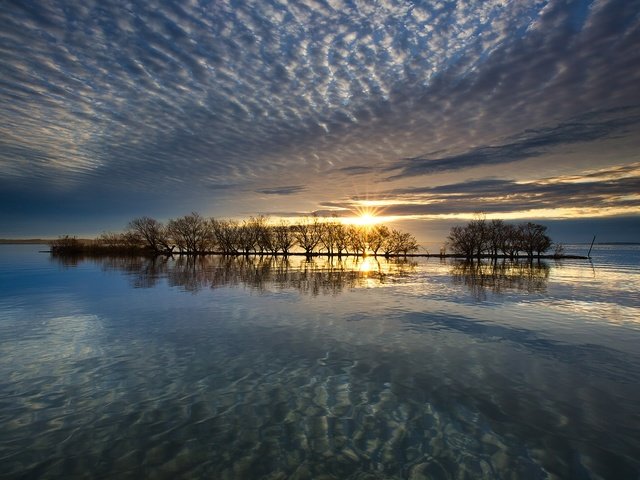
(426, 111)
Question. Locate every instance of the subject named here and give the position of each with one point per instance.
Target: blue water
(265, 368)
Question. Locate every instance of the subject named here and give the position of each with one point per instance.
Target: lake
(250, 368)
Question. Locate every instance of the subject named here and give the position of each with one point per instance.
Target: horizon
(558, 232)
(421, 113)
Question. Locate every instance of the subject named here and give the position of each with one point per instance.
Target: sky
(422, 112)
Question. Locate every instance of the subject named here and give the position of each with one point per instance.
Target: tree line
(480, 238)
(195, 234)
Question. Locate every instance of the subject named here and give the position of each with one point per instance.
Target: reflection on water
(268, 368)
(316, 275)
(500, 276)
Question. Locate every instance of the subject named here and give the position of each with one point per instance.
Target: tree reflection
(497, 277)
(314, 276)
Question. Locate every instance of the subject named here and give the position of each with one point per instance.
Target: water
(261, 368)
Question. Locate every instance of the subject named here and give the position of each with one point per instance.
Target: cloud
(287, 190)
(358, 170)
(136, 94)
(528, 144)
(614, 188)
(186, 97)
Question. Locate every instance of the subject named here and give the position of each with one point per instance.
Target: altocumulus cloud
(165, 103)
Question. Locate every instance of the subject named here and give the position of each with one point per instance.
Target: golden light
(365, 217)
(366, 266)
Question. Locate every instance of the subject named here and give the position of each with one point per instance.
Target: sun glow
(365, 217)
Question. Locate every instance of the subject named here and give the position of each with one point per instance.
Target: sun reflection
(367, 265)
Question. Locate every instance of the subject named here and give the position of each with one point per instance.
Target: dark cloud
(357, 170)
(287, 190)
(529, 144)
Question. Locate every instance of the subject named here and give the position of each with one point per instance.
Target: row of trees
(194, 234)
(480, 238)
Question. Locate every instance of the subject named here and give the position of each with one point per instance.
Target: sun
(365, 217)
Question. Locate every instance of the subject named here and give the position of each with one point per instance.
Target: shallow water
(265, 368)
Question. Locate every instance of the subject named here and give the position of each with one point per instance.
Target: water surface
(271, 368)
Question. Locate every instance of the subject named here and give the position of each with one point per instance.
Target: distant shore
(24, 241)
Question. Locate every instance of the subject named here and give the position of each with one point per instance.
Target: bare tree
(462, 241)
(152, 232)
(328, 235)
(480, 233)
(341, 238)
(510, 241)
(478, 237)
(227, 235)
(376, 237)
(263, 234)
(534, 239)
(307, 233)
(495, 235)
(191, 233)
(407, 243)
(357, 238)
(127, 240)
(248, 236)
(283, 238)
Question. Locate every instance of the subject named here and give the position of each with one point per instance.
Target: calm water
(260, 368)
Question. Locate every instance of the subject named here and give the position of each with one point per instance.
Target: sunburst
(365, 217)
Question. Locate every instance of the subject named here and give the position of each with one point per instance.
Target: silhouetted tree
(376, 238)
(534, 238)
(263, 234)
(248, 237)
(191, 233)
(462, 241)
(495, 236)
(341, 238)
(510, 240)
(399, 243)
(307, 233)
(407, 243)
(227, 235)
(125, 241)
(152, 232)
(480, 233)
(329, 232)
(357, 238)
(283, 238)
(478, 237)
